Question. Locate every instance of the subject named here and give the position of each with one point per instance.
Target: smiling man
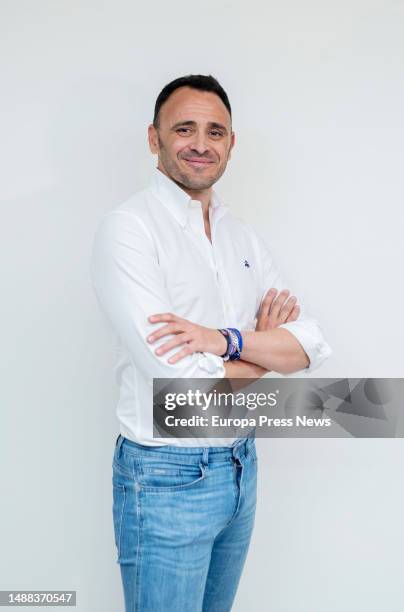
(191, 291)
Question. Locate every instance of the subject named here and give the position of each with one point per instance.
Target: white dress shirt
(151, 255)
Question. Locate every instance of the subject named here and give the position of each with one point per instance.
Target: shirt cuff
(212, 364)
(312, 340)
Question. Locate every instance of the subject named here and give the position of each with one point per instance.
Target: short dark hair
(195, 81)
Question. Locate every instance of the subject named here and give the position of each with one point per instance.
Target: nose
(199, 143)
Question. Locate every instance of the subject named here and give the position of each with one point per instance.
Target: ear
(153, 139)
(232, 143)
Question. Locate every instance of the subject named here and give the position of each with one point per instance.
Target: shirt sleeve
(305, 329)
(130, 286)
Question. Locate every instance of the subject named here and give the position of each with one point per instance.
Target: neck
(203, 195)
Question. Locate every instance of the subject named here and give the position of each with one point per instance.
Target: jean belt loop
(205, 457)
(249, 444)
(119, 444)
(235, 449)
(250, 440)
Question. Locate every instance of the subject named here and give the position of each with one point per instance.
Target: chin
(203, 181)
(193, 183)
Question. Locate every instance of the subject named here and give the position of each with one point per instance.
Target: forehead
(187, 104)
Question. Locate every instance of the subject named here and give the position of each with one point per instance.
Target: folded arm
(276, 349)
(296, 344)
(129, 286)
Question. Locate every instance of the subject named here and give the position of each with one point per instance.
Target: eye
(216, 133)
(182, 130)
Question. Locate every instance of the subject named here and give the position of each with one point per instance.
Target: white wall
(317, 93)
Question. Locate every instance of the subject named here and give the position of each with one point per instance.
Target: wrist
(221, 344)
(234, 341)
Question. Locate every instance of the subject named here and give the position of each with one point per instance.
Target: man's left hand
(196, 337)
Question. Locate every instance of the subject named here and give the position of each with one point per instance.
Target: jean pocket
(159, 476)
(118, 509)
(123, 463)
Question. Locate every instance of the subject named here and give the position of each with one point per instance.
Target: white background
(318, 96)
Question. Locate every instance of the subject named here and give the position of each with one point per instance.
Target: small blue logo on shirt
(247, 265)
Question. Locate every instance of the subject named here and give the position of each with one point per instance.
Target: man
(174, 265)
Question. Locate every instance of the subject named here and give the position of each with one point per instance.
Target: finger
(294, 314)
(170, 328)
(268, 299)
(287, 308)
(187, 350)
(179, 339)
(278, 303)
(165, 316)
(263, 311)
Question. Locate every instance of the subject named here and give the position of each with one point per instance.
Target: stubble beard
(181, 178)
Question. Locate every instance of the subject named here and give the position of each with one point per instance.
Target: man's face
(194, 138)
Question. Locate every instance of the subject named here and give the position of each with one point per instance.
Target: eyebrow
(211, 124)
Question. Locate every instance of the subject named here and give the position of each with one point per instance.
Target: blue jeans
(183, 518)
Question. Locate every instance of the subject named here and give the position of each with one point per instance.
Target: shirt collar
(177, 200)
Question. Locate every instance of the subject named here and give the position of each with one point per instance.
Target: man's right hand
(276, 309)
(273, 312)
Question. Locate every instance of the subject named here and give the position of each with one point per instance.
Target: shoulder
(129, 215)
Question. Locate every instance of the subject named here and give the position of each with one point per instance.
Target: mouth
(198, 163)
